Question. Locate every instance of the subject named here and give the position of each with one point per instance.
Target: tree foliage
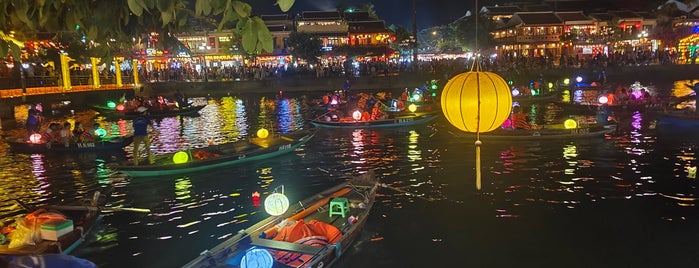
(305, 46)
(107, 24)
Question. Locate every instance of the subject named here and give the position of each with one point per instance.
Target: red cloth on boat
(314, 233)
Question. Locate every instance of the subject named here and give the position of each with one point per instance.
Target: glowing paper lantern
(100, 132)
(180, 157)
(256, 258)
(566, 81)
(477, 102)
(111, 104)
(579, 79)
(515, 92)
(692, 172)
(35, 138)
(276, 204)
(550, 85)
(570, 124)
(120, 107)
(357, 115)
(412, 107)
(603, 99)
(262, 133)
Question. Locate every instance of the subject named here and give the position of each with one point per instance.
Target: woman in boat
(78, 132)
(65, 134)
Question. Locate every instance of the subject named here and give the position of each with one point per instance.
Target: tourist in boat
(519, 119)
(376, 112)
(78, 132)
(94, 134)
(140, 134)
(64, 135)
(52, 132)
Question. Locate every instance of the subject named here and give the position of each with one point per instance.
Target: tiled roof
(602, 16)
(367, 26)
(278, 28)
(357, 16)
(573, 16)
(274, 17)
(320, 15)
(500, 10)
(538, 18)
(625, 14)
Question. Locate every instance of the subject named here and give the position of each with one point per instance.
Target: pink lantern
(120, 107)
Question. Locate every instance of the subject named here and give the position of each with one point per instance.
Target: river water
(623, 200)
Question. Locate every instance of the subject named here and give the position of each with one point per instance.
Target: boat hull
(228, 154)
(399, 121)
(73, 147)
(361, 195)
(543, 134)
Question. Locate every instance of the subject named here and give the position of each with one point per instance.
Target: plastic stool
(339, 206)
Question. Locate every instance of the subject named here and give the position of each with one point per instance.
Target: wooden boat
(542, 134)
(219, 155)
(117, 143)
(529, 99)
(192, 110)
(262, 243)
(395, 120)
(680, 119)
(63, 228)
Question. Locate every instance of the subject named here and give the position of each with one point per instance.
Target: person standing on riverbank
(140, 134)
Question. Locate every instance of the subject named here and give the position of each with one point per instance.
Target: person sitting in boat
(78, 132)
(519, 119)
(52, 132)
(94, 133)
(376, 112)
(65, 133)
(365, 116)
(400, 105)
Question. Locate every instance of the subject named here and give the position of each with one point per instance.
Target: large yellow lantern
(476, 102)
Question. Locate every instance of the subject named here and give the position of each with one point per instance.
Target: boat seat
(339, 206)
(285, 246)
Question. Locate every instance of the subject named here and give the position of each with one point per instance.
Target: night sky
(429, 12)
(399, 12)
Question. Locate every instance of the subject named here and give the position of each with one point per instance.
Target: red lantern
(256, 199)
(120, 107)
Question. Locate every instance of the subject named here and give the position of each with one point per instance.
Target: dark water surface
(624, 200)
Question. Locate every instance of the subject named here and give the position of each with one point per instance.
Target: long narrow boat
(401, 120)
(218, 155)
(327, 236)
(542, 134)
(192, 110)
(679, 119)
(62, 228)
(23, 146)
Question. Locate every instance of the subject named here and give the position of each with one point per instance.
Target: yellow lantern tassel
(478, 165)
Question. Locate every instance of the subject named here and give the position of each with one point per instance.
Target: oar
(405, 192)
(143, 210)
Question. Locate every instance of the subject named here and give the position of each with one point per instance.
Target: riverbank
(660, 75)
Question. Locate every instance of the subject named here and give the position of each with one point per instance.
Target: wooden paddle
(143, 210)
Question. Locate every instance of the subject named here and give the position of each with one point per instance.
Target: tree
(305, 46)
(105, 23)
